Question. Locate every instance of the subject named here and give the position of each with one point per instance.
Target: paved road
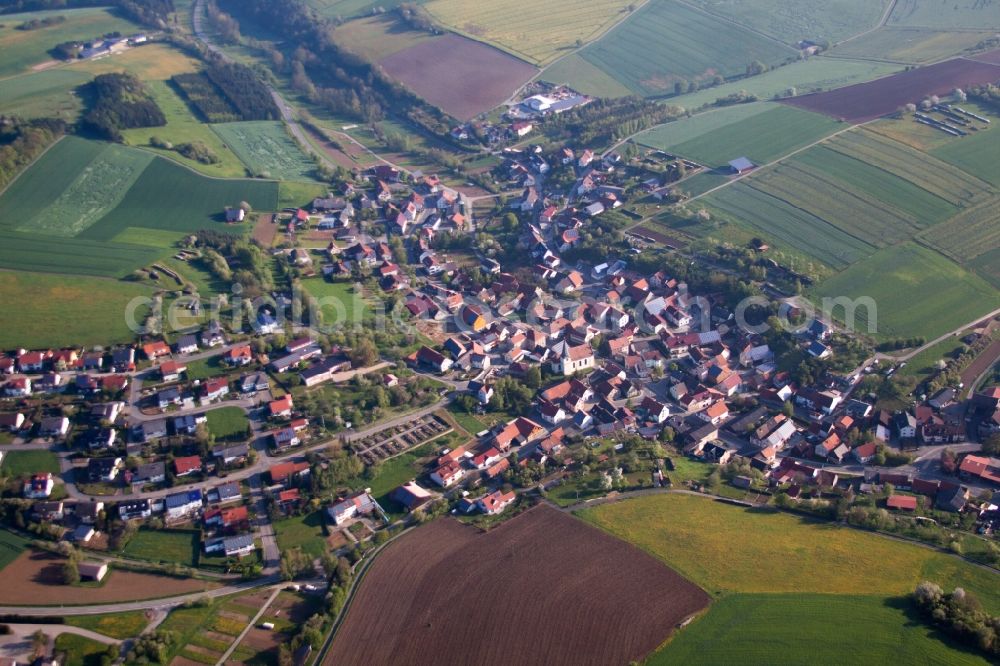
(263, 528)
(53, 630)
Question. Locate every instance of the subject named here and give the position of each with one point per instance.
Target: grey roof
(149, 471)
(181, 499)
(187, 341)
(238, 542)
(228, 491)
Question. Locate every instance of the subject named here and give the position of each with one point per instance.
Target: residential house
(353, 506)
(494, 503)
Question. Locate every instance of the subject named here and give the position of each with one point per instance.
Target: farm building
(93, 570)
(741, 165)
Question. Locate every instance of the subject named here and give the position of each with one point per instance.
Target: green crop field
(120, 195)
(798, 78)
(267, 149)
(26, 463)
(778, 219)
(114, 625)
(848, 208)
(909, 45)
(922, 170)
(797, 629)
(55, 312)
(721, 547)
(583, 76)
(763, 137)
(305, 532)
(178, 546)
(666, 42)
(976, 154)
(24, 48)
(793, 20)
(689, 128)
(970, 235)
(703, 182)
(11, 546)
(538, 32)
(920, 206)
(972, 14)
(917, 291)
(376, 37)
(228, 423)
(349, 8)
(98, 187)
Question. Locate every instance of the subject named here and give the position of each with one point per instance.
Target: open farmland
(35, 578)
(921, 207)
(689, 128)
(666, 42)
(48, 93)
(56, 312)
(721, 547)
(375, 37)
(973, 233)
(793, 20)
(24, 48)
(267, 149)
(558, 598)
(349, 8)
(539, 31)
(918, 292)
(778, 219)
(763, 137)
(866, 101)
(11, 547)
(921, 169)
(973, 14)
(796, 629)
(574, 71)
(798, 78)
(976, 154)
(432, 68)
(909, 45)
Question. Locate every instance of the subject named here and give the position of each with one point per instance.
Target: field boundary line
(890, 8)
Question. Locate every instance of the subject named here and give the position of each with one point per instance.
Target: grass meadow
(305, 532)
(584, 76)
(811, 629)
(114, 625)
(80, 651)
(169, 546)
(971, 14)
(909, 45)
(666, 42)
(227, 423)
(26, 463)
(346, 306)
(728, 549)
(54, 311)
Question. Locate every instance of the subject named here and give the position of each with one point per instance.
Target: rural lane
(246, 629)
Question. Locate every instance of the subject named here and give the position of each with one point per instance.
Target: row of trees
(148, 12)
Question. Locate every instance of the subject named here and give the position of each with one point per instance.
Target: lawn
(305, 532)
(798, 78)
(468, 421)
(205, 368)
(114, 625)
(924, 363)
(55, 311)
(228, 423)
(267, 150)
(80, 651)
(666, 42)
(762, 135)
(729, 549)
(780, 220)
(339, 302)
(757, 628)
(24, 48)
(917, 292)
(11, 545)
(538, 32)
(24, 463)
(910, 45)
(168, 546)
(792, 20)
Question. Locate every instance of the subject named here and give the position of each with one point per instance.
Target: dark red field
(461, 76)
(867, 101)
(992, 57)
(542, 588)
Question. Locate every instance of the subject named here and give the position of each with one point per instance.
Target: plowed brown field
(542, 588)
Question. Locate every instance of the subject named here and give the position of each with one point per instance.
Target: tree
(991, 446)
(533, 377)
(71, 572)
(39, 643)
(364, 353)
